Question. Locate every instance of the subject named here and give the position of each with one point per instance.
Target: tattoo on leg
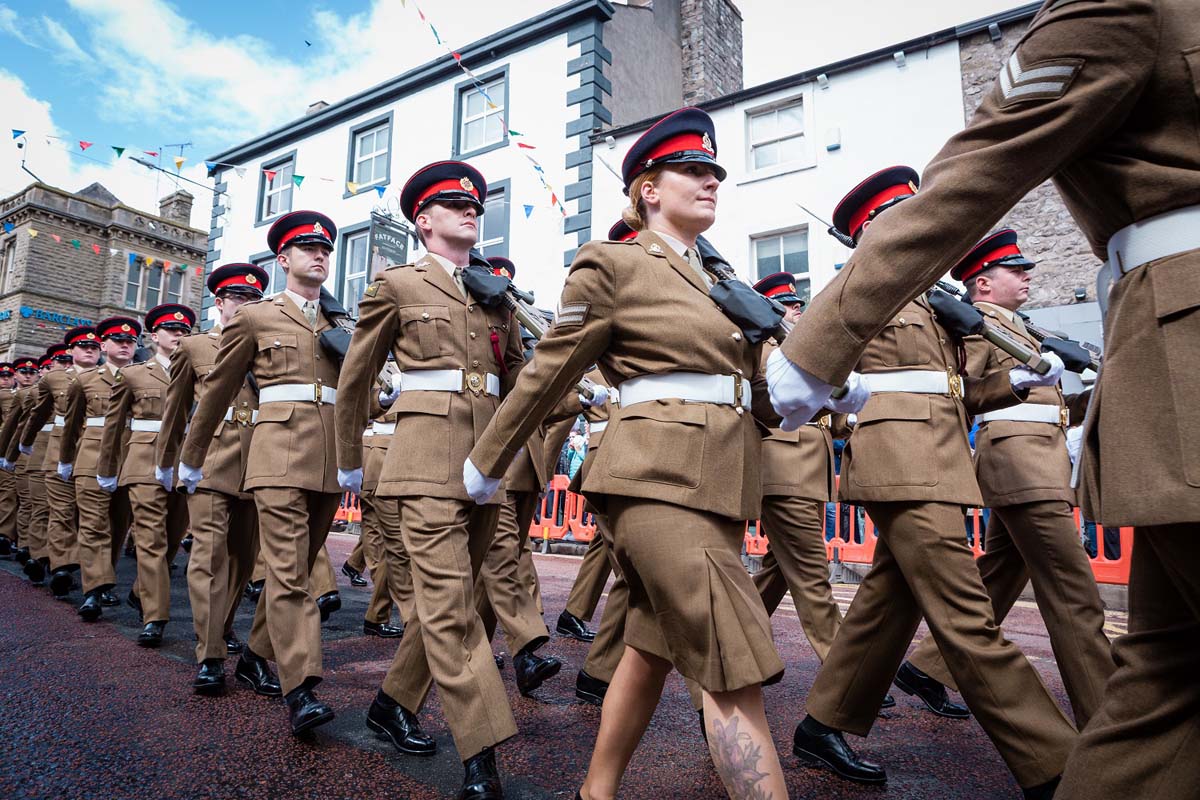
(736, 757)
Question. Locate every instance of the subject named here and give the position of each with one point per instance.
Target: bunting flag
(352, 187)
(179, 162)
(149, 261)
(75, 243)
(241, 171)
(297, 179)
(526, 146)
(84, 145)
(457, 56)
(32, 233)
(112, 251)
(120, 151)
(17, 134)
(57, 238)
(8, 227)
(152, 153)
(528, 211)
(96, 248)
(270, 173)
(211, 166)
(380, 190)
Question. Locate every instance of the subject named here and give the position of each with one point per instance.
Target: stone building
(71, 259)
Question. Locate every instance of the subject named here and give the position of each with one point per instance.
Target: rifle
(950, 303)
(1077, 356)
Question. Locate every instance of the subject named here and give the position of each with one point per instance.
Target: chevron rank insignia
(572, 315)
(1041, 80)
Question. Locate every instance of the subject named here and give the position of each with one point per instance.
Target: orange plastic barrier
(580, 523)
(756, 543)
(844, 546)
(547, 527)
(1107, 570)
(349, 510)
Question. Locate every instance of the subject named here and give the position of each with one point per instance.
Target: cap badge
(792, 288)
(912, 186)
(707, 144)
(654, 248)
(466, 184)
(178, 315)
(126, 327)
(250, 279)
(91, 336)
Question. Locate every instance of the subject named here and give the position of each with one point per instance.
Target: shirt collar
(111, 367)
(446, 263)
(165, 361)
(676, 245)
(297, 299)
(1004, 312)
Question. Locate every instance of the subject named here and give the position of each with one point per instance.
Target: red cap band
(302, 229)
(87, 336)
(449, 185)
(778, 290)
(678, 144)
(1000, 252)
(249, 281)
(859, 217)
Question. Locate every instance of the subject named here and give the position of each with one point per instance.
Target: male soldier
(34, 452)
(8, 486)
(159, 517)
(290, 471)
(908, 464)
(103, 517)
(83, 348)
(1024, 472)
(224, 523)
(1100, 96)
(26, 370)
(452, 353)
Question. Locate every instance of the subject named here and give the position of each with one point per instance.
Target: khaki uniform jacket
(533, 469)
(225, 466)
(138, 393)
(10, 431)
(50, 400)
(8, 399)
(637, 308)
(595, 414)
(1117, 131)
(293, 443)
(1020, 462)
(798, 463)
(914, 447)
(418, 313)
(88, 397)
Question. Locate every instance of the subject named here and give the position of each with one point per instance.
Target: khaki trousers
(24, 502)
(103, 525)
(923, 567)
(358, 556)
(527, 573)
(8, 504)
(590, 580)
(1144, 740)
(500, 594)
(62, 529)
(605, 652)
(371, 554)
(392, 573)
(39, 515)
(293, 524)
(447, 540)
(321, 580)
(160, 519)
(225, 544)
(1040, 542)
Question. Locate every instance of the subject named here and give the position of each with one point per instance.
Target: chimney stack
(711, 38)
(313, 108)
(177, 207)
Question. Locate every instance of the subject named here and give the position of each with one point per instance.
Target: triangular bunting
(76, 243)
(17, 134)
(112, 251)
(457, 56)
(270, 173)
(149, 261)
(96, 249)
(241, 171)
(179, 162)
(153, 153)
(211, 166)
(526, 146)
(8, 227)
(511, 132)
(297, 179)
(120, 151)
(528, 211)
(84, 145)
(33, 233)
(352, 187)
(57, 238)
(379, 190)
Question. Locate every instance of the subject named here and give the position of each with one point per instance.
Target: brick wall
(1048, 233)
(711, 40)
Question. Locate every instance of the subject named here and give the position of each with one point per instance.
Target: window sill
(462, 156)
(366, 187)
(775, 172)
(270, 220)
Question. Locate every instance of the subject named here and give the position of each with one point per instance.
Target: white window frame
(496, 86)
(809, 156)
(498, 195)
(276, 187)
(349, 300)
(360, 158)
(779, 236)
(161, 293)
(10, 264)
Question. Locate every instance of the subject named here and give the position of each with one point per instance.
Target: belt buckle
(738, 390)
(475, 382)
(1064, 417)
(956, 383)
(242, 415)
(317, 392)
(825, 421)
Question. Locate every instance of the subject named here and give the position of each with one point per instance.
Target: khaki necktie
(458, 272)
(693, 260)
(310, 312)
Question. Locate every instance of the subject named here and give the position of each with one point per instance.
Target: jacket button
(740, 410)
(470, 308)
(901, 320)
(425, 315)
(737, 336)
(278, 343)
(739, 372)
(475, 363)
(471, 334)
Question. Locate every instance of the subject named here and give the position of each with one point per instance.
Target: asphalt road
(85, 713)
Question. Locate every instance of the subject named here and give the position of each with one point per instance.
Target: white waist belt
(1028, 412)
(94, 422)
(692, 387)
(448, 380)
(596, 427)
(920, 381)
(49, 426)
(297, 393)
(59, 420)
(231, 412)
(154, 425)
(383, 428)
(1151, 239)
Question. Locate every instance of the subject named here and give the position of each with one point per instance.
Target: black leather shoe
(108, 599)
(35, 570)
(152, 634)
(134, 602)
(305, 711)
(327, 604)
(1043, 791)
(829, 749)
(589, 689)
(253, 590)
(61, 582)
(210, 680)
(532, 670)
(481, 781)
(499, 661)
(233, 645)
(22, 555)
(6, 547)
(932, 693)
(888, 702)
(186, 543)
(383, 630)
(398, 725)
(356, 577)
(573, 626)
(252, 670)
(90, 610)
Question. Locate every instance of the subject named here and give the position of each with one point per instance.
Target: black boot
(152, 634)
(252, 669)
(233, 645)
(22, 555)
(383, 630)
(356, 577)
(186, 544)
(589, 689)
(61, 582)
(328, 603)
(108, 599)
(134, 602)
(1044, 791)
(818, 745)
(305, 711)
(573, 626)
(532, 670)
(499, 661)
(931, 692)
(398, 725)
(6, 547)
(481, 781)
(36, 571)
(210, 680)
(90, 610)
(254, 590)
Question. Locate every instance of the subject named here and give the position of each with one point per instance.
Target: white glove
(189, 477)
(7, 465)
(853, 401)
(1025, 378)
(107, 484)
(388, 396)
(165, 476)
(351, 480)
(65, 470)
(479, 486)
(27, 450)
(599, 397)
(795, 395)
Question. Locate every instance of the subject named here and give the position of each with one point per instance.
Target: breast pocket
(278, 355)
(423, 425)
(1176, 285)
(659, 443)
(147, 402)
(904, 341)
(425, 331)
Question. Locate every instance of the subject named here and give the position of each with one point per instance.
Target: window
(278, 277)
(370, 147)
(493, 225)
(10, 264)
(784, 252)
(480, 115)
(777, 136)
(149, 286)
(275, 189)
(355, 267)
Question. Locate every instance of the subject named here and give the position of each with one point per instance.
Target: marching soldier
(1024, 474)
(224, 523)
(26, 375)
(104, 517)
(8, 486)
(35, 460)
(922, 565)
(290, 470)
(160, 517)
(452, 354)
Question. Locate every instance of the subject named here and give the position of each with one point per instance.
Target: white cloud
(68, 49)
(10, 23)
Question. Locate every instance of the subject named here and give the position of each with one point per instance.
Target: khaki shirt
(137, 394)
(80, 444)
(50, 401)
